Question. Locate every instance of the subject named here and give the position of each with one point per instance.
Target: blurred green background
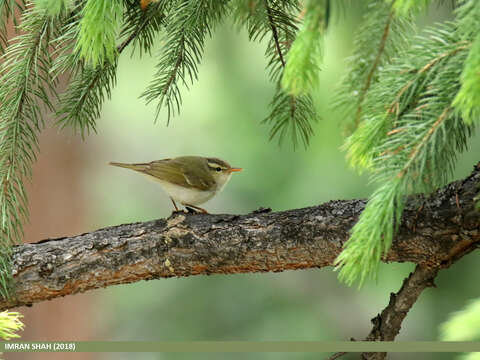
(221, 116)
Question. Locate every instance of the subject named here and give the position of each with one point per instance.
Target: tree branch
(386, 325)
(434, 233)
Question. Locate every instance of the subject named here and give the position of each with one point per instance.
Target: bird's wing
(178, 174)
(198, 182)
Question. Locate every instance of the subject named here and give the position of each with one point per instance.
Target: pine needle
(25, 84)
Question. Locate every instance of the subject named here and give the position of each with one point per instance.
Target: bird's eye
(218, 169)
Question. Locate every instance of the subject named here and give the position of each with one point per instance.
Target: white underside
(184, 195)
(187, 196)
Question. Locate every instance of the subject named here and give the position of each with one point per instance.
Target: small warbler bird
(190, 180)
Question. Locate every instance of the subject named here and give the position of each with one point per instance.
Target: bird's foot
(179, 211)
(195, 209)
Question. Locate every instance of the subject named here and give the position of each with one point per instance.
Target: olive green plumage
(191, 180)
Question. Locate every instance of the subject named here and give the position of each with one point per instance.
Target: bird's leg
(199, 209)
(173, 202)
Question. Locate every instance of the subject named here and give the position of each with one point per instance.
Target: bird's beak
(235, 169)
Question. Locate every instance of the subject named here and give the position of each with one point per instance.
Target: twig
(292, 99)
(274, 33)
(137, 31)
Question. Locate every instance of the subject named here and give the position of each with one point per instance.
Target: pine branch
(188, 25)
(373, 69)
(7, 12)
(395, 106)
(191, 244)
(467, 100)
(141, 27)
(53, 8)
(379, 39)
(10, 323)
(275, 18)
(302, 70)
(406, 7)
(65, 60)
(81, 104)
(97, 36)
(285, 116)
(273, 26)
(24, 84)
(292, 115)
(411, 151)
(407, 87)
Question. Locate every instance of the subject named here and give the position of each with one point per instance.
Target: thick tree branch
(434, 232)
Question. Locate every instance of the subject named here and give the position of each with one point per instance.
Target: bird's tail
(136, 167)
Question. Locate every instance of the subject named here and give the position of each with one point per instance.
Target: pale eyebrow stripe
(215, 164)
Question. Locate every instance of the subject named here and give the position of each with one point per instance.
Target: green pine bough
(303, 63)
(380, 37)
(10, 323)
(467, 100)
(408, 138)
(99, 27)
(25, 87)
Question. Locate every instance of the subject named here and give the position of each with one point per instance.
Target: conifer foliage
(408, 117)
(412, 101)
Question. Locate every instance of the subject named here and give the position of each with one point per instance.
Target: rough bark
(435, 231)
(386, 325)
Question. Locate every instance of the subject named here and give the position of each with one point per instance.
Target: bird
(189, 180)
